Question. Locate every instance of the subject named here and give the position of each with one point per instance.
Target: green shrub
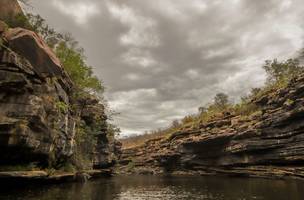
(62, 107)
(289, 102)
(85, 140)
(281, 71)
(68, 167)
(188, 119)
(74, 63)
(245, 108)
(20, 20)
(130, 166)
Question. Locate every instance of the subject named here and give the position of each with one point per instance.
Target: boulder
(32, 47)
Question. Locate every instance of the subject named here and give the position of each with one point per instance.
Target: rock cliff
(40, 119)
(9, 9)
(268, 143)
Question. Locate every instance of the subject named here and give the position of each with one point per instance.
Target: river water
(171, 188)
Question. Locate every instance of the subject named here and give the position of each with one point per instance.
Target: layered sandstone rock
(32, 127)
(39, 117)
(268, 143)
(106, 148)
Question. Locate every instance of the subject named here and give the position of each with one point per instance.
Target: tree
(38, 25)
(25, 2)
(18, 20)
(255, 91)
(113, 130)
(74, 63)
(188, 118)
(281, 71)
(175, 124)
(221, 100)
(202, 109)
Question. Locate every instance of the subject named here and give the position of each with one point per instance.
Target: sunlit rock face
(268, 143)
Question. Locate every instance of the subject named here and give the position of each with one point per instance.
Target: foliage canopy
(79, 71)
(281, 71)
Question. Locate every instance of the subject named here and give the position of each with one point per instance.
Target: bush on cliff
(73, 61)
(281, 71)
(20, 20)
(278, 75)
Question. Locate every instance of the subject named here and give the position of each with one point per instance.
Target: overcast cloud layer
(162, 59)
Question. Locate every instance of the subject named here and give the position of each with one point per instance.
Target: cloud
(162, 59)
(138, 57)
(192, 74)
(133, 77)
(132, 97)
(81, 12)
(142, 30)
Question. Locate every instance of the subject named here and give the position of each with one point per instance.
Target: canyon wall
(41, 121)
(268, 143)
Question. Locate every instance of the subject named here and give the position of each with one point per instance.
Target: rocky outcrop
(39, 116)
(92, 113)
(16, 178)
(32, 126)
(32, 48)
(268, 143)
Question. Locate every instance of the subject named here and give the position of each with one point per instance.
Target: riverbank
(38, 177)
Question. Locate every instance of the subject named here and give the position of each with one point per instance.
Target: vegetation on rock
(262, 136)
(279, 73)
(86, 85)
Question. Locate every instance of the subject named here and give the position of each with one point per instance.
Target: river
(167, 188)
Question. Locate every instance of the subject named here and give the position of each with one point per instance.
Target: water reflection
(153, 188)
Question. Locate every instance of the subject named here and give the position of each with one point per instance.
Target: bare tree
(25, 2)
(221, 100)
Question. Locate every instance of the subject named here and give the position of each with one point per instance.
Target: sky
(162, 59)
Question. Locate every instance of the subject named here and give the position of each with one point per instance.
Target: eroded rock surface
(268, 143)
